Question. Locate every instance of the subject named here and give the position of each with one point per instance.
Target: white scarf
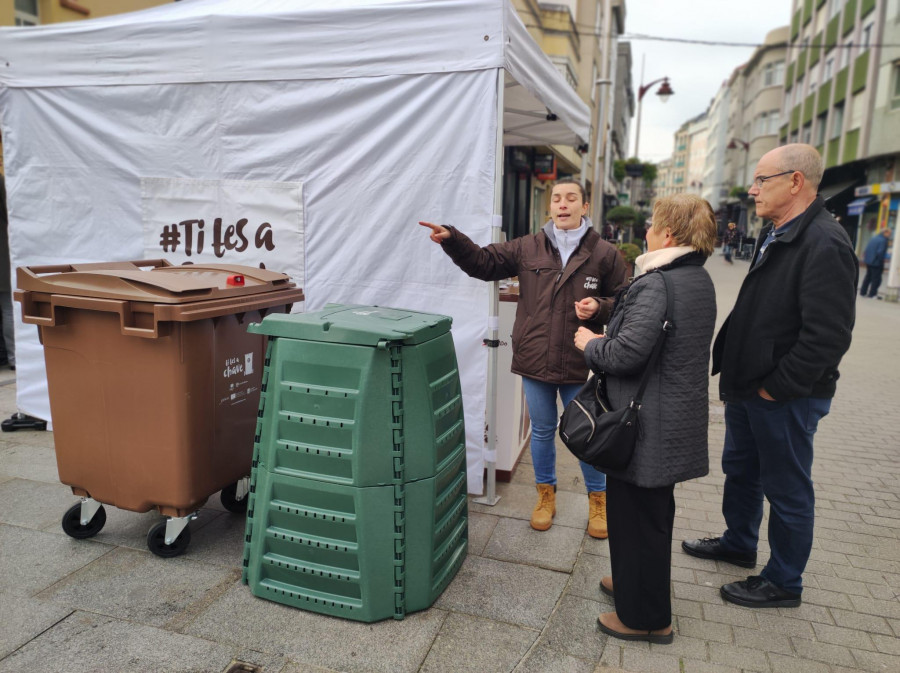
(657, 258)
(567, 240)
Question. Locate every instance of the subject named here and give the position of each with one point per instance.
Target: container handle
(120, 307)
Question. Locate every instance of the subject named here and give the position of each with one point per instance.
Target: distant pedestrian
(874, 256)
(729, 240)
(778, 354)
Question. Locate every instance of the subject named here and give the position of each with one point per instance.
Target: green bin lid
(353, 324)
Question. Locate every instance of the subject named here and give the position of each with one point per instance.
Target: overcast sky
(695, 72)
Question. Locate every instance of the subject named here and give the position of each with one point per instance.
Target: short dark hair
(580, 186)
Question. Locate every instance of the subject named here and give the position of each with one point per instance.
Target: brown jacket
(544, 331)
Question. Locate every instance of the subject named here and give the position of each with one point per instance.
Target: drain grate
(242, 667)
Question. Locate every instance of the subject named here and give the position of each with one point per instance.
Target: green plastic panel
(849, 17)
(789, 78)
(795, 24)
(831, 33)
(795, 117)
(801, 63)
(824, 97)
(831, 157)
(840, 85)
(808, 107)
(342, 412)
(866, 8)
(363, 325)
(360, 553)
(815, 51)
(851, 146)
(807, 11)
(860, 72)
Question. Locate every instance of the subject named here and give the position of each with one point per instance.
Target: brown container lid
(162, 283)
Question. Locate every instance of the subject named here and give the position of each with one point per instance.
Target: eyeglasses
(762, 178)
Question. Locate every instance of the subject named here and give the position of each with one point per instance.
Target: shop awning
(829, 192)
(857, 206)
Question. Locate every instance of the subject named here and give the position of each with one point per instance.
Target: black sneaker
(758, 592)
(711, 548)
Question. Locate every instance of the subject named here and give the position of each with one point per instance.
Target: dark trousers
(769, 452)
(872, 281)
(640, 524)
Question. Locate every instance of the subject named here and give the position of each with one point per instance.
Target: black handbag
(598, 435)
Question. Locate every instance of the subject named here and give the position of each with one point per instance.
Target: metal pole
(637, 131)
(490, 492)
(600, 150)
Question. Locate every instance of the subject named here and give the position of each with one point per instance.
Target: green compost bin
(357, 503)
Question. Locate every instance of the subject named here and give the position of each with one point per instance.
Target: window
(866, 38)
(773, 74)
(798, 92)
(834, 8)
(773, 123)
(829, 69)
(794, 136)
(26, 13)
(807, 133)
(895, 88)
(820, 128)
(845, 54)
(837, 121)
(813, 79)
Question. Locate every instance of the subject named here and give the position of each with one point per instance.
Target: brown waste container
(154, 383)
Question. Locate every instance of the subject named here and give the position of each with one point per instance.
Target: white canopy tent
(371, 114)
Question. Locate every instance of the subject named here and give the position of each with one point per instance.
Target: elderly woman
(672, 446)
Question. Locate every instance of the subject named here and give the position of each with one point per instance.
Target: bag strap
(667, 326)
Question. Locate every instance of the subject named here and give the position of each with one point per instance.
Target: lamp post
(601, 107)
(664, 92)
(735, 144)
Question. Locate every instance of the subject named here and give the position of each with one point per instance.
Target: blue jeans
(541, 398)
(769, 452)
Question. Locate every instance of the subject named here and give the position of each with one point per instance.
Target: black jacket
(674, 417)
(794, 313)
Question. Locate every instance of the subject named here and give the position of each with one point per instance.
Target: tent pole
(492, 342)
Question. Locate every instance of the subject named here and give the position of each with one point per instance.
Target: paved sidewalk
(523, 601)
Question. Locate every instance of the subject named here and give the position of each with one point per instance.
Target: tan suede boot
(597, 515)
(545, 510)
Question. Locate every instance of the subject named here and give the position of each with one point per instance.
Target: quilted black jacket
(673, 445)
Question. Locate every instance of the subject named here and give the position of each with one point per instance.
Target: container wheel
(156, 541)
(230, 499)
(71, 522)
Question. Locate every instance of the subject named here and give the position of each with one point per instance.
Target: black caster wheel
(156, 541)
(71, 523)
(231, 502)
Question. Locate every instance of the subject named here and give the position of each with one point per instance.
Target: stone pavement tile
(506, 592)
(824, 652)
(37, 463)
(862, 622)
(4, 478)
(31, 560)
(694, 592)
(585, 578)
(831, 599)
(886, 644)
(30, 438)
(87, 642)
(517, 502)
(804, 612)
(842, 586)
(730, 614)
(292, 667)
(875, 661)
(572, 629)
(140, 587)
(765, 641)
(650, 662)
(34, 504)
(870, 606)
(220, 542)
(838, 635)
(24, 619)
(594, 546)
(686, 647)
(471, 644)
(704, 630)
(895, 625)
(690, 609)
(739, 657)
(516, 541)
(693, 666)
(543, 659)
(388, 646)
(882, 565)
(683, 575)
(860, 574)
(481, 527)
(882, 592)
(783, 663)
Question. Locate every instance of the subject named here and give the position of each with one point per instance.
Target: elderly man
(778, 354)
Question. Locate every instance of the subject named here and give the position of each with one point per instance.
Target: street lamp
(664, 92)
(735, 144)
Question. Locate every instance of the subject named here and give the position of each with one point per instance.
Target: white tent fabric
(384, 111)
